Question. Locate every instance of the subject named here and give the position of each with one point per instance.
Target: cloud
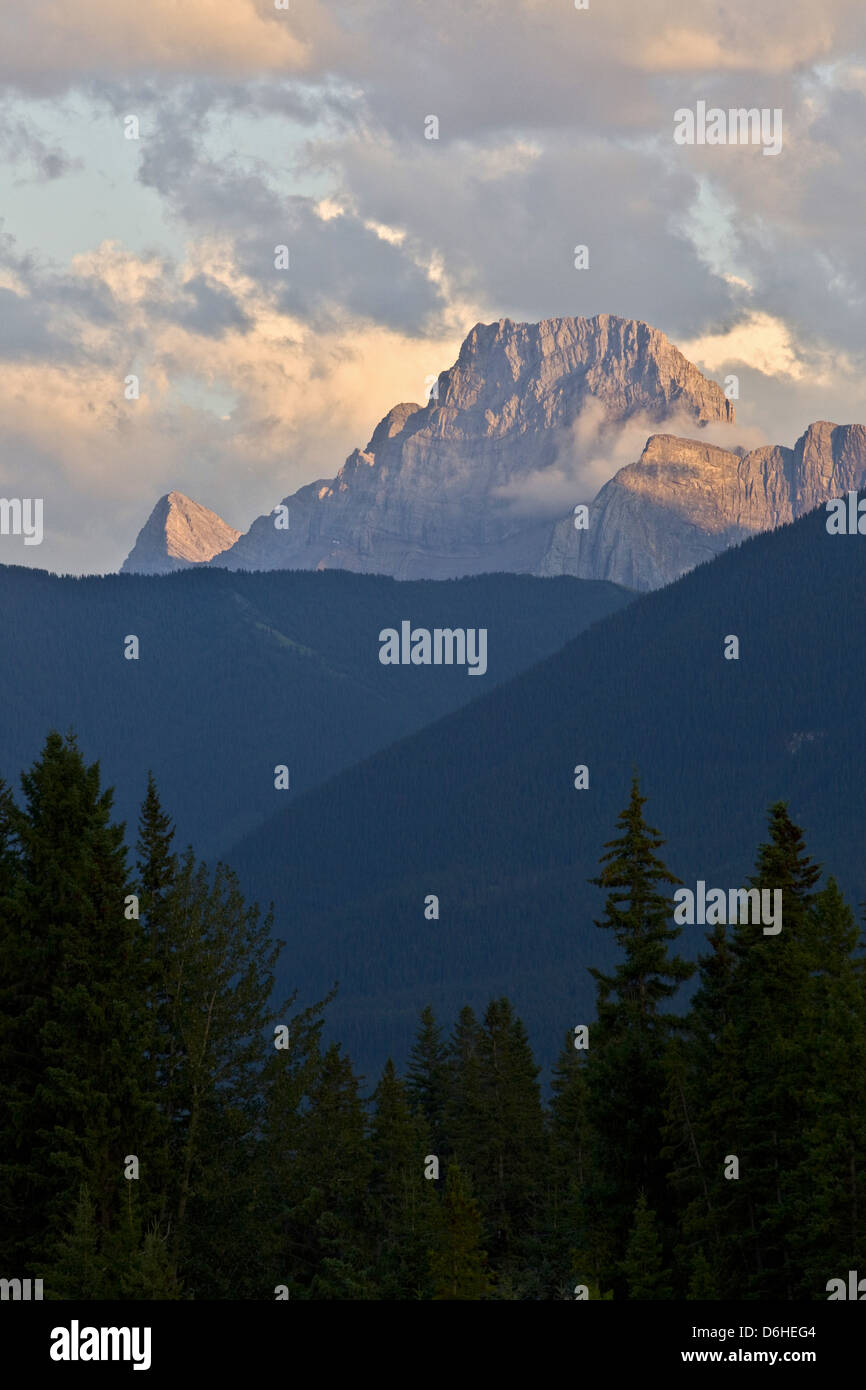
(204, 307)
(22, 144)
(306, 128)
(49, 44)
(593, 449)
(235, 410)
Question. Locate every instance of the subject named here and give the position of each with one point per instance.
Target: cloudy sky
(305, 127)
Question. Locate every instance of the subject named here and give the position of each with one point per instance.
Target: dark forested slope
(240, 672)
(481, 809)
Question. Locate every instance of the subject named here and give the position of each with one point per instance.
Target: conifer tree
(156, 879)
(509, 1153)
(151, 1274)
(405, 1208)
(427, 1078)
(771, 1059)
(74, 1018)
(219, 959)
(12, 1216)
(458, 1264)
(157, 862)
(287, 1080)
(702, 1286)
(8, 847)
(568, 1168)
(578, 1250)
(704, 1095)
(79, 1269)
(327, 1247)
(625, 1066)
(464, 1111)
(824, 1190)
(643, 1266)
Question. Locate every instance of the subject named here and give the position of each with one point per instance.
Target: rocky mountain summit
(478, 479)
(684, 502)
(432, 495)
(178, 533)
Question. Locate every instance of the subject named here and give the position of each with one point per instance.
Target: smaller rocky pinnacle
(178, 534)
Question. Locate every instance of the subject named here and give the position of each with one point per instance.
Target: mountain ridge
(426, 497)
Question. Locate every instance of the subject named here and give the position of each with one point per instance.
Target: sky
(306, 127)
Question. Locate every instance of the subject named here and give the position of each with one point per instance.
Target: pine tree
(704, 1097)
(643, 1266)
(508, 1155)
(8, 847)
(770, 1060)
(151, 1274)
(458, 1265)
(157, 863)
(12, 1216)
(79, 1269)
(327, 1248)
(219, 960)
(78, 1102)
(568, 1171)
(287, 1082)
(625, 1066)
(464, 1112)
(156, 884)
(427, 1079)
(405, 1208)
(702, 1280)
(825, 1189)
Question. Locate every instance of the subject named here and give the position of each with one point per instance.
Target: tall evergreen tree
(327, 1248)
(219, 959)
(771, 1058)
(12, 1216)
(704, 1098)
(157, 862)
(78, 1103)
(628, 1044)
(644, 1266)
(404, 1204)
(427, 1079)
(568, 1170)
(458, 1264)
(156, 880)
(508, 1157)
(464, 1113)
(79, 1269)
(826, 1190)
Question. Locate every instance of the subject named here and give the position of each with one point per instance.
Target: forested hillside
(481, 810)
(238, 673)
(171, 1130)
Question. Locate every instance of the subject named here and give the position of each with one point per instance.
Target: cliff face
(427, 497)
(684, 502)
(177, 534)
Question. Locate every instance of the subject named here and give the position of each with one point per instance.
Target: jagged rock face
(178, 534)
(424, 498)
(684, 502)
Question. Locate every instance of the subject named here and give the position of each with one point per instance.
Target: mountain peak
(178, 534)
(435, 492)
